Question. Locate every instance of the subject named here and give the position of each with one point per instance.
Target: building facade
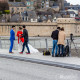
(30, 4)
(43, 3)
(59, 3)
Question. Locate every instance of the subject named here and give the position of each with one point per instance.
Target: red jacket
(19, 34)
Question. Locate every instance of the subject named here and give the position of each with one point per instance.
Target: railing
(36, 42)
(42, 43)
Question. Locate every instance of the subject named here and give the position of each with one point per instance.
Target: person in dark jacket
(25, 35)
(12, 38)
(54, 36)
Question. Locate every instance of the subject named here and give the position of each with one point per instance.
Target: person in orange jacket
(20, 39)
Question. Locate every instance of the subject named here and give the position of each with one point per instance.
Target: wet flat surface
(20, 70)
(39, 56)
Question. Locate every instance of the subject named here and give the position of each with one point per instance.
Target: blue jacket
(12, 35)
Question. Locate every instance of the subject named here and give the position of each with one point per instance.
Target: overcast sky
(74, 1)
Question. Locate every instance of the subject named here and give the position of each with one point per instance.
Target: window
(28, 3)
(28, 7)
(31, 3)
(32, 7)
(12, 8)
(47, 5)
(21, 8)
(17, 8)
(47, 2)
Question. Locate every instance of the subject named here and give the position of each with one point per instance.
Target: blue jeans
(61, 49)
(11, 45)
(25, 44)
(55, 47)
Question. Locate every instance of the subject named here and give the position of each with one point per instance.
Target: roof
(75, 7)
(16, 4)
(32, 14)
(44, 13)
(15, 18)
(55, 6)
(71, 12)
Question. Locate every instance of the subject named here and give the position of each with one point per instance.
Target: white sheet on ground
(32, 49)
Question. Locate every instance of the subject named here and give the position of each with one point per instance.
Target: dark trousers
(61, 49)
(25, 44)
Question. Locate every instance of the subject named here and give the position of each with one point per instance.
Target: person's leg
(56, 47)
(59, 50)
(20, 46)
(53, 48)
(27, 47)
(11, 45)
(23, 46)
(62, 49)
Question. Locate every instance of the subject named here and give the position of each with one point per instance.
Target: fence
(37, 42)
(40, 43)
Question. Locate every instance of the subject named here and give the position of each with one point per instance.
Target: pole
(46, 44)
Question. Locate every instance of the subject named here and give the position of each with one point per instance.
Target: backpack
(46, 52)
(66, 51)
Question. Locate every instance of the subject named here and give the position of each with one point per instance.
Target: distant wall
(43, 29)
(70, 25)
(34, 29)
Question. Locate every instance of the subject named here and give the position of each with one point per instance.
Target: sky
(74, 1)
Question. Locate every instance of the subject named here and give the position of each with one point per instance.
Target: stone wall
(34, 29)
(43, 29)
(70, 26)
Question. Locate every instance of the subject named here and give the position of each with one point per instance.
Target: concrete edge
(44, 62)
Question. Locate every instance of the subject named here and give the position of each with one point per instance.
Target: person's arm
(17, 34)
(52, 34)
(14, 34)
(23, 35)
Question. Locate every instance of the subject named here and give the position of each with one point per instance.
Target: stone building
(17, 7)
(59, 3)
(21, 8)
(43, 3)
(3, 0)
(28, 4)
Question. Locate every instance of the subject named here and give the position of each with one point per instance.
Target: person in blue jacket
(12, 38)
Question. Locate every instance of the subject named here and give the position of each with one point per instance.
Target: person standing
(25, 35)
(54, 36)
(20, 39)
(12, 38)
(61, 41)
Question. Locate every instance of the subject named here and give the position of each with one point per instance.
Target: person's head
(20, 28)
(58, 28)
(13, 27)
(62, 29)
(24, 26)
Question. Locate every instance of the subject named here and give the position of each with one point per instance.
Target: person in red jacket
(20, 39)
